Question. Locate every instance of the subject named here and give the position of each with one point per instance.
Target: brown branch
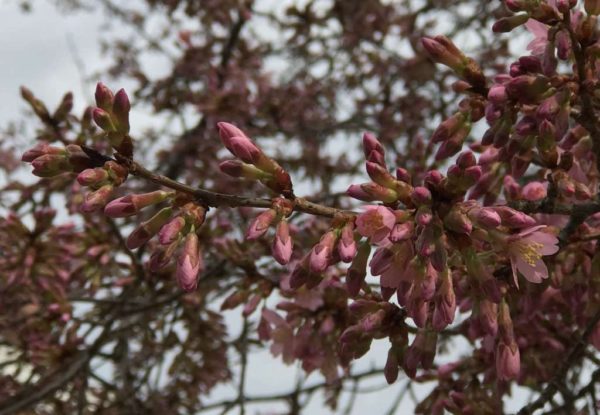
(215, 199)
(290, 395)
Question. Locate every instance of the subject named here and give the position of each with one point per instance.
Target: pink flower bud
(237, 168)
(442, 50)
(488, 317)
(527, 89)
(466, 159)
(424, 216)
(457, 221)
(448, 127)
(374, 191)
(103, 120)
(226, 131)
(189, 264)
(132, 204)
(485, 217)
(421, 196)
(146, 230)
(244, 149)
(358, 270)
(120, 111)
(513, 218)
(402, 231)
(49, 165)
(497, 94)
(104, 97)
(169, 232)
(403, 175)
(93, 177)
(506, 24)
(391, 366)
(445, 304)
(592, 7)
(382, 260)
(356, 191)
(97, 200)
(347, 245)
(260, 224)
(41, 149)
(508, 361)
(380, 175)
(534, 191)
(282, 244)
(372, 145)
(376, 223)
(320, 255)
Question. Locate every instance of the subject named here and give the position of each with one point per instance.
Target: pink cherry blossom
(376, 223)
(526, 249)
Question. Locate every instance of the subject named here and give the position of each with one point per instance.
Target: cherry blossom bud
(442, 50)
(380, 175)
(373, 149)
(347, 245)
(320, 255)
(146, 230)
(282, 244)
(227, 131)
(445, 304)
(358, 270)
(424, 216)
(448, 127)
(421, 196)
(488, 317)
(244, 149)
(356, 191)
(376, 223)
(592, 7)
(260, 224)
(93, 177)
(391, 368)
(96, 200)
(132, 204)
(37, 106)
(466, 159)
(382, 260)
(497, 94)
(50, 165)
(402, 231)
(508, 361)
(189, 264)
(527, 89)
(378, 192)
(237, 168)
(170, 231)
(512, 190)
(513, 218)
(534, 191)
(457, 221)
(300, 274)
(563, 45)
(104, 97)
(403, 175)
(65, 107)
(485, 217)
(103, 120)
(506, 24)
(120, 111)
(41, 149)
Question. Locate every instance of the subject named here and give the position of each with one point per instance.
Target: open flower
(526, 249)
(376, 223)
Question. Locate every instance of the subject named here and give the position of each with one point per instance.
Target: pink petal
(533, 273)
